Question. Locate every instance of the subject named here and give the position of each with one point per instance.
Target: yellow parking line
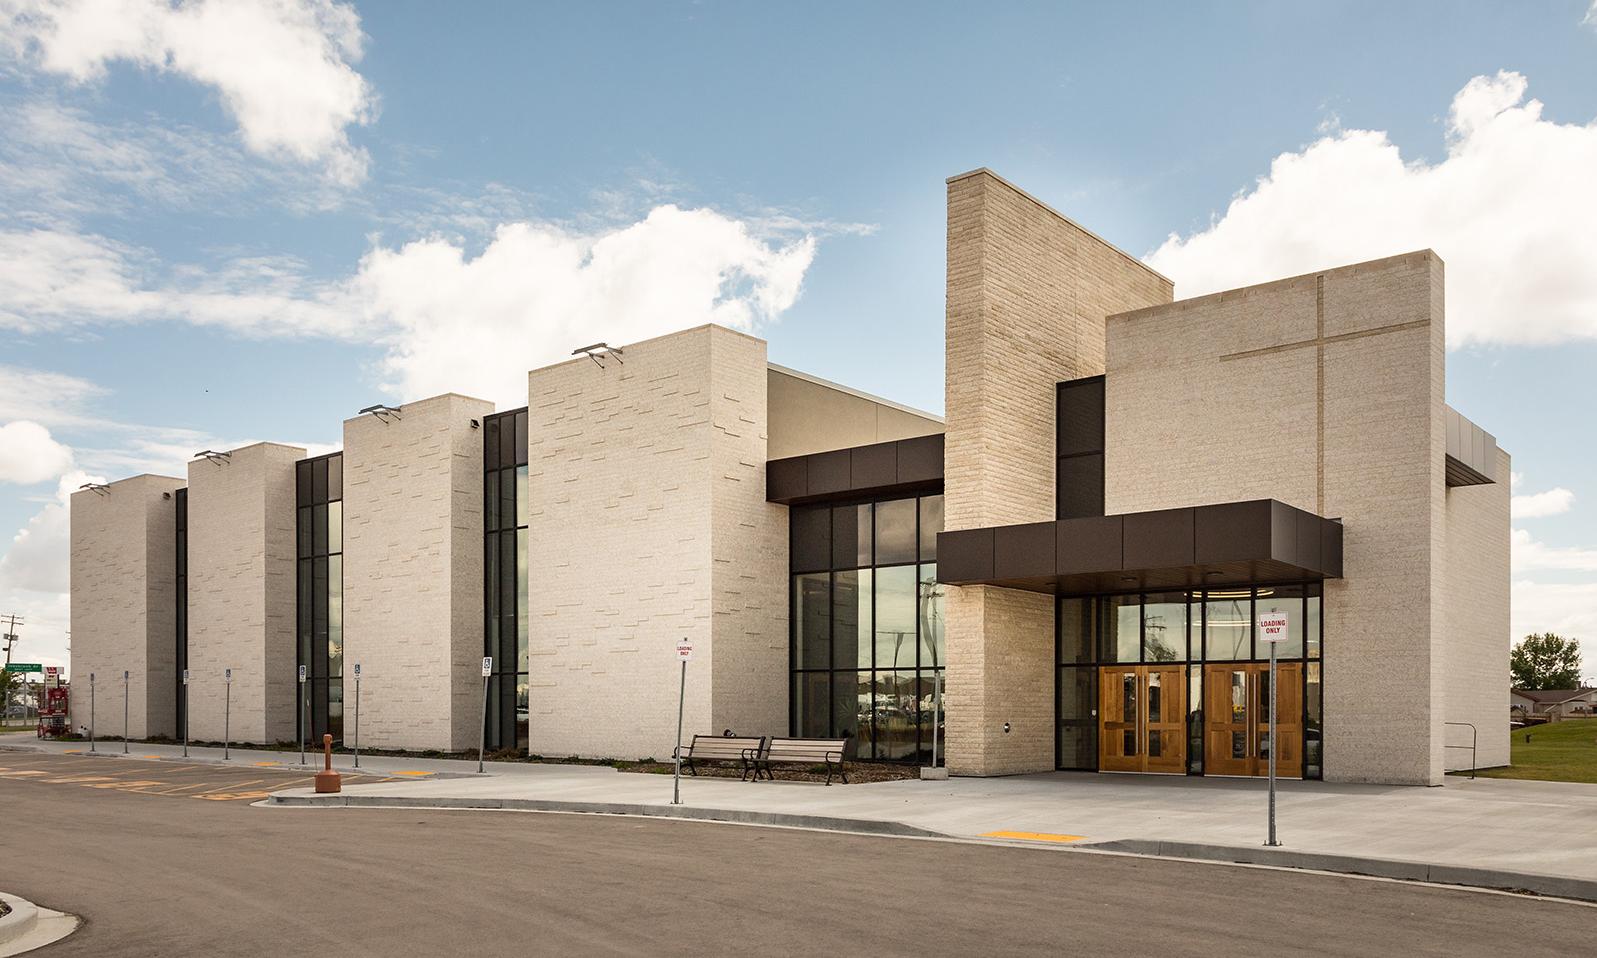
(150, 756)
(265, 764)
(1034, 836)
(413, 773)
(73, 751)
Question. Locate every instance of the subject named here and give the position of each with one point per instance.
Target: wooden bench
(742, 749)
(804, 751)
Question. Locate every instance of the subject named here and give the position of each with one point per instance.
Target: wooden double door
(1237, 719)
(1142, 713)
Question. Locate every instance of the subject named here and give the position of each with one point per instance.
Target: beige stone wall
(1028, 293)
(649, 524)
(241, 594)
(1216, 399)
(413, 573)
(811, 415)
(1475, 643)
(124, 604)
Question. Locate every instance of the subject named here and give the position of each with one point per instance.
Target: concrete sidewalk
(1536, 836)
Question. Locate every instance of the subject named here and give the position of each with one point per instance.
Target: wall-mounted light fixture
(382, 411)
(98, 488)
(599, 349)
(214, 457)
(475, 424)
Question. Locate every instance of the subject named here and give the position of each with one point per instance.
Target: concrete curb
(1556, 886)
(27, 926)
(20, 920)
(828, 823)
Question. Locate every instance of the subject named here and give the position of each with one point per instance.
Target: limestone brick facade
(649, 524)
(413, 572)
(241, 594)
(1477, 613)
(124, 610)
(1028, 291)
(810, 415)
(1323, 391)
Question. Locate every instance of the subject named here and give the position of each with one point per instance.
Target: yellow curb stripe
(265, 764)
(1034, 836)
(413, 773)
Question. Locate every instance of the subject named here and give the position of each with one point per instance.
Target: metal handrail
(1474, 736)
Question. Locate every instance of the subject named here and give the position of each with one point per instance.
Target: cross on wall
(1319, 342)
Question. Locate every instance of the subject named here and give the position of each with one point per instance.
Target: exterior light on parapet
(98, 488)
(382, 411)
(599, 349)
(214, 457)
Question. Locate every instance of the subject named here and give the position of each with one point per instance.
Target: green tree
(1545, 661)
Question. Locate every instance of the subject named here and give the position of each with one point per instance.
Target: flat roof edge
(857, 393)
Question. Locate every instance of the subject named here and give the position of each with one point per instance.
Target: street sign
(124, 675)
(185, 676)
(24, 667)
(227, 675)
(357, 670)
(302, 675)
(684, 650)
(487, 666)
(1273, 626)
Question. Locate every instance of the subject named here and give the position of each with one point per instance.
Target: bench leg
(828, 773)
(691, 770)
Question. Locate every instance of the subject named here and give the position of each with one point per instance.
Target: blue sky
(222, 222)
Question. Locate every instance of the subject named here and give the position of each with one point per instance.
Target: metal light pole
(482, 734)
(227, 712)
(185, 713)
(305, 715)
(357, 715)
(91, 712)
(124, 711)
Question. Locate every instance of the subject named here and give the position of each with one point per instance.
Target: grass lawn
(1557, 752)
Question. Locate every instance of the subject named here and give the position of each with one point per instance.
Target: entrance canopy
(1233, 543)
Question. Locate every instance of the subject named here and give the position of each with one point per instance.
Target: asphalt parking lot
(110, 773)
(156, 868)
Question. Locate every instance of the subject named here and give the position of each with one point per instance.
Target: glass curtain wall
(181, 501)
(505, 622)
(867, 625)
(319, 491)
(1188, 628)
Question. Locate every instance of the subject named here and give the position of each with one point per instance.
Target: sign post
(227, 711)
(482, 735)
(1273, 628)
(684, 655)
(185, 713)
(91, 711)
(357, 715)
(305, 715)
(124, 711)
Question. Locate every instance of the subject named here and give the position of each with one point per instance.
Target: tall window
(867, 625)
(319, 493)
(1179, 627)
(181, 501)
(505, 622)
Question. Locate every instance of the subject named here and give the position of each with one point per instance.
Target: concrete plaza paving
(1536, 835)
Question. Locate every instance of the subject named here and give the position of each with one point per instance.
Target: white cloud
(537, 291)
(45, 397)
(282, 68)
(1510, 209)
(1569, 609)
(29, 454)
(1538, 505)
(1528, 553)
(56, 279)
(37, 560)
(1590, 19)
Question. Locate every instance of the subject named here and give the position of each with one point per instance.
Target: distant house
(1552, 704)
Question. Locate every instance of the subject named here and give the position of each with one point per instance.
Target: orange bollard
(328, 780)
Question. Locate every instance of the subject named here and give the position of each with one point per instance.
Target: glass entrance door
(1237, 739)
(1142, 712)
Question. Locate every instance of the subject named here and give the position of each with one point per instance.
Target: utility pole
(10, 637)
